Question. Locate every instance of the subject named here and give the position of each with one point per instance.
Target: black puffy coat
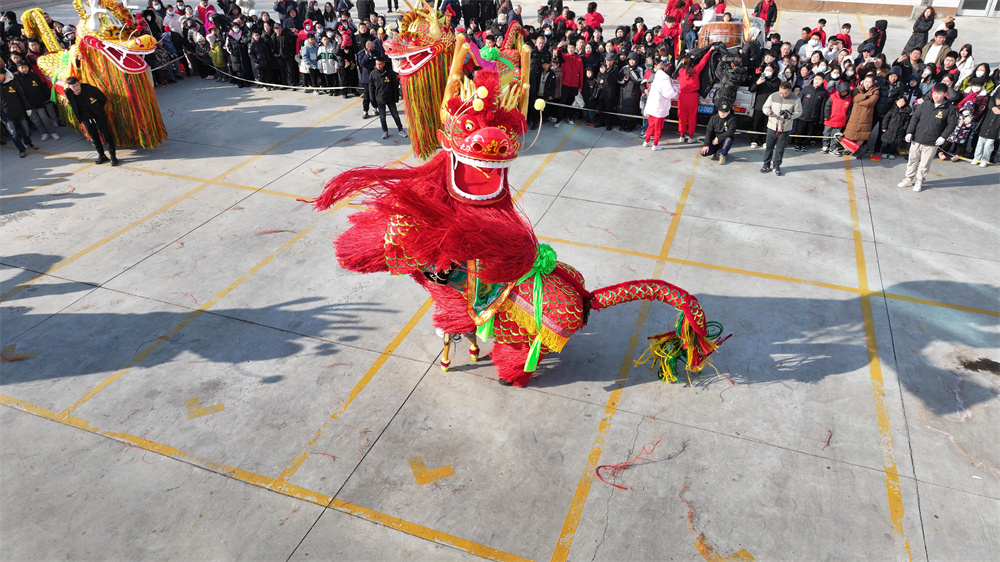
(239, 52)
(894, 125)
(919, 36)
(989, 126)
(727, 82)
(260, 54)
(763, 90)
(813, 100)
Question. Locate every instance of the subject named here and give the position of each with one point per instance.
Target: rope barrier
(626, 115)
(283, 87)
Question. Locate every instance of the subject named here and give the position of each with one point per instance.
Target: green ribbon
(63, 64)
(545, 262)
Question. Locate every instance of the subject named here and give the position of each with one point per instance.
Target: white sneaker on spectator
(918, 187)
(984, 164)
(657, 147)
(907, 182)
(974, 162)
(645, 144)
(45, 136)
(753, 145)
(556, 124)
(553, 120)
(571, 122)
(385, 134)
(55, 136)
(402, 134)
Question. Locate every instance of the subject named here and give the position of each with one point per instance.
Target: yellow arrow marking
(9, 353)
(425, 476)
(195, 412)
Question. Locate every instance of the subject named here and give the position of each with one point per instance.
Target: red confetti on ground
(604, 229)
(326, 455)
(615, 470)
(271, 231)
(829, 436)
(67, 192)
(192, 297)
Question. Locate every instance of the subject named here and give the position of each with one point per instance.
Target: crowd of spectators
(844, 85)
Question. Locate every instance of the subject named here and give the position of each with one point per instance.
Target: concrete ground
(188, 374)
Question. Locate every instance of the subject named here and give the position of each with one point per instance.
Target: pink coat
(661, 92)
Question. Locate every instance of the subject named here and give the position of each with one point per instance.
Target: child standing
(835, 117)
(894, 127)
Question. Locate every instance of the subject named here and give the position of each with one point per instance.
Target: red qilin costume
(451, 225)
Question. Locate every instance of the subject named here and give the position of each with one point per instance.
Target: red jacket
(691, 83)
(674, 32)
(845, 38)
(838, 111)
(572, 71)
(822, 35)
(593, 20)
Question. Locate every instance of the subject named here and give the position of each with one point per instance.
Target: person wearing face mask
(989, 130)
(860, 123)
(765, 85)
(813, 97)
(812, 45)
(927, 81)
(835, 117)
(930, 125)
(980, 75)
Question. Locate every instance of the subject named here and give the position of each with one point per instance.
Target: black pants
(366, 97)
(98, 130)
(567, 97)
(759, 123)
(381, 107)
(389, 4)
(289, 71)
(605, 107)
(808, 128)
(774, 148)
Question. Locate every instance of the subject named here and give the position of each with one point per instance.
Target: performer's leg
(95, 138)
(109, 141)
(380, 108)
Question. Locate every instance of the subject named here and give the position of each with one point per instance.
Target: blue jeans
(690, 40)
(18, 128)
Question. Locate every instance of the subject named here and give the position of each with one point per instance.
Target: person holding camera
(782, 108)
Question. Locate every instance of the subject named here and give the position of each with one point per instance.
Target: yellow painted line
(861, 24)
(125, 229)
(63, 263)
(936, 303)
(48, 183)
(183, 324)
(546, 162)
(630, 6)
(676, 220)
(424, 476)
(572, 521)
(266, 482)
(893, 491)
(287, 474)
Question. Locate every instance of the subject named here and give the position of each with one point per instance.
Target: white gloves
(29, 113)
(939, 141)
(908, 138)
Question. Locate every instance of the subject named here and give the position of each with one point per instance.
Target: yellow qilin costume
(108, 53)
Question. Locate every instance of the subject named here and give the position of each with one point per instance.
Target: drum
(728, 32)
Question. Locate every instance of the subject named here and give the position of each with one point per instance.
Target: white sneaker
(45, 136)
(753, 145)
(918, 187)
(402, 134)
(974, 162)
(645, 144)
(553, 120)
(907, 182)
(55, 136)
(984, 164)
(657, 147)
(556, 124)
(571, 122)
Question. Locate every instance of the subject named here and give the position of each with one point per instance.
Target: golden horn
(525, 76)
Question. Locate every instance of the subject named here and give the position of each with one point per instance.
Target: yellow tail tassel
(666, 349)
